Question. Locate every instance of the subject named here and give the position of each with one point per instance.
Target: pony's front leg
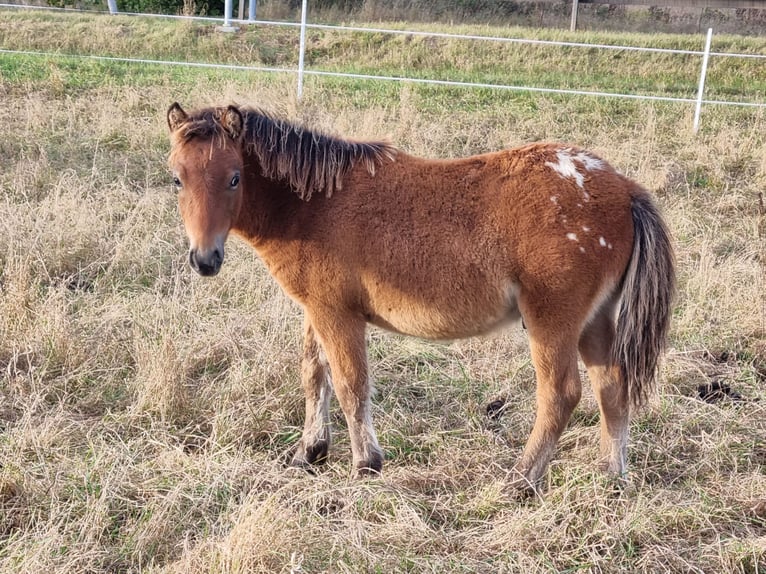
(315, 377)
(343, 340)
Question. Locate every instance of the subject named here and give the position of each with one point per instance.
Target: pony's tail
(647, 293)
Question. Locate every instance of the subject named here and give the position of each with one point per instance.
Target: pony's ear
(232, 121)
(176, 117)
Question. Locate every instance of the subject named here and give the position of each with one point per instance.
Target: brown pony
(439, 249)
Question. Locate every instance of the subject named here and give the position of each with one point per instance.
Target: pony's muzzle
(206, 263)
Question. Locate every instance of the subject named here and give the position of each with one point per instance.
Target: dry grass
(145, 413)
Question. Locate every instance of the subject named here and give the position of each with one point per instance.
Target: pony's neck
(270, 209)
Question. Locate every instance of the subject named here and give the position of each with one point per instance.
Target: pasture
(147, 413)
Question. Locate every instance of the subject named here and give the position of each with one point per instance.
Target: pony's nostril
(193, 259)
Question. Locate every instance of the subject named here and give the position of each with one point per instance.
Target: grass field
(145, 412)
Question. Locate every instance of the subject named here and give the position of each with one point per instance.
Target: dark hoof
(521, 491)
(519, 486)
(370, 468)
(317, 452)
(367, 472)
(495, 409)
(314, 454)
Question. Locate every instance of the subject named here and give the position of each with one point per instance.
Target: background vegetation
(494, 12)
(145, 413)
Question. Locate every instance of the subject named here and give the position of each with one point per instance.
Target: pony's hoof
(615, 474)
(313, 454)
(317, 453)
(367, 472)
(371, 468)
(619, 484)
(520, 487)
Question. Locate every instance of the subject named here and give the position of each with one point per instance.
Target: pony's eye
(176, 181)
(234, 180)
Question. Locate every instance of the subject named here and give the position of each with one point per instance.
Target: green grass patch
(376, 53)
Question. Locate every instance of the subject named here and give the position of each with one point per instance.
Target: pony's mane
(308, 160)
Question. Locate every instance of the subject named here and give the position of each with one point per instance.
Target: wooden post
(241, 11)
(573, 24)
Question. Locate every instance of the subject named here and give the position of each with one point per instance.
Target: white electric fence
(301, 70)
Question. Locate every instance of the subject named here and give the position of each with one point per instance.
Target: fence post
(573, 23)
(301, 50)
(251, 10)
(227, 27)
(112, 6)
(701, 89)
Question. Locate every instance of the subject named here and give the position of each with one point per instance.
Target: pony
(360, 232)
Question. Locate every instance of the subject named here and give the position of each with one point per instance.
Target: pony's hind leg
(315, 442)
(343, 340)
(610, 390)
(554, 357)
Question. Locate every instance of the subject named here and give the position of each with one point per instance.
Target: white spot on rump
(566, 165)
(582, 249)
(572, 236)
(602, 242)
(585, 229)
(589, 162)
